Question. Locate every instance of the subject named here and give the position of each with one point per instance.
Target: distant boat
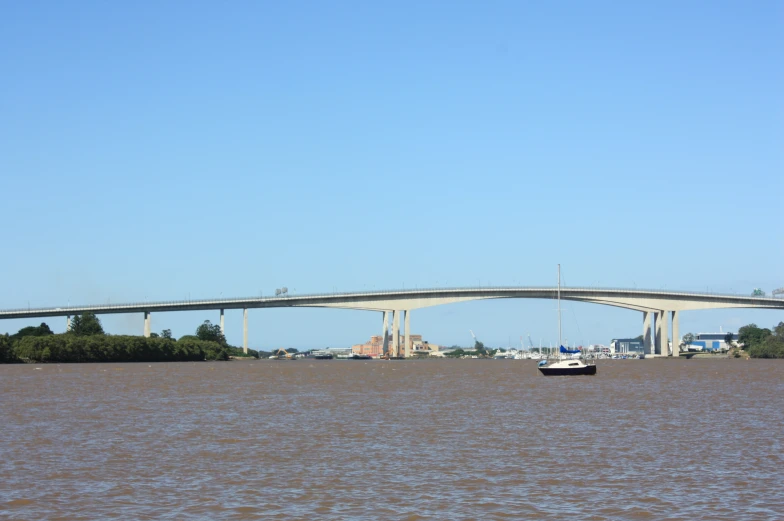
(565, 367)
(323, 357)
(360, 357)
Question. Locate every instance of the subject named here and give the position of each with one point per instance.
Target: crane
(477, 343)
(282, 354)
(530, 343)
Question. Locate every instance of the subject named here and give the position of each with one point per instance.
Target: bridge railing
(378, 293)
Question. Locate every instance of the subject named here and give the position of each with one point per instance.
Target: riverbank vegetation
(762, 342)
(86, 341)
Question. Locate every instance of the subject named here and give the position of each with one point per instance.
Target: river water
(429, 439)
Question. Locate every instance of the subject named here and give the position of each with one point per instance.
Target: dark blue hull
(569, 371)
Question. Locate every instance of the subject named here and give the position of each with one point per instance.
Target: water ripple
(452, 439)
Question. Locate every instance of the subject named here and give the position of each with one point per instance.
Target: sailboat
(565, 367)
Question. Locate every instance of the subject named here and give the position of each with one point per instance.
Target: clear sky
(160, 150)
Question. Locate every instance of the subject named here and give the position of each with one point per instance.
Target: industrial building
(711, 342)
(627, 345)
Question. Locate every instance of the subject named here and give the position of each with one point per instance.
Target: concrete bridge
(658, 308)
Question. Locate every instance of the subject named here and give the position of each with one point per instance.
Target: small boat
(323, 357)
(360, 357)
(568, 367)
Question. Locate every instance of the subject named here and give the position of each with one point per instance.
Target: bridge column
(657, 334)
(664, 317)
(68, 323)
(385, 340)
(407, 339)
(222, 324)
(245, 330)
(646, 333)
(676, 340)
(147, 324)
(396, 333)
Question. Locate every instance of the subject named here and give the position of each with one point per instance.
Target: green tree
(687, 339)
(479, 347)
(752, 335)
(771, 346)
(240, 352)
(779, 330)
(42, 330)
(211, 333)
(166, 333)
(85, 325)
(7, 354)
(728, 339)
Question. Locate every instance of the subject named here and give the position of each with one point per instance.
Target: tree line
(86, 341)
(762, 342)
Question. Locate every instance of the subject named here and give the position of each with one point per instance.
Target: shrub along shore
(86, 342)
(103, 348)
(67, 348)
(762, 342)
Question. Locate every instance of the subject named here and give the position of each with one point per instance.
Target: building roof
(713, 336)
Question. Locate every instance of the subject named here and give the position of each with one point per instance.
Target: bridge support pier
(664, 338)
(407, 338)
(222, 324)
(396, 333)
(67, 323)
(656, 333)
(385, 349)
(147, 324)
(646, 333)
(676, 341)
(245, 330)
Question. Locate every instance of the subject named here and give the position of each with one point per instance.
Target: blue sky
(165, 150)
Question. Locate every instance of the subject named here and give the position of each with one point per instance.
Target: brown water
(446, 439)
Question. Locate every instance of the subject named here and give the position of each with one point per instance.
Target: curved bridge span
(657, 306)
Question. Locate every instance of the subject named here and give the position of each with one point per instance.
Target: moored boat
(567, 368)
(570, 367)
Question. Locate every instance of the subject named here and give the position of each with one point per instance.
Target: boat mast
(559, 311)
